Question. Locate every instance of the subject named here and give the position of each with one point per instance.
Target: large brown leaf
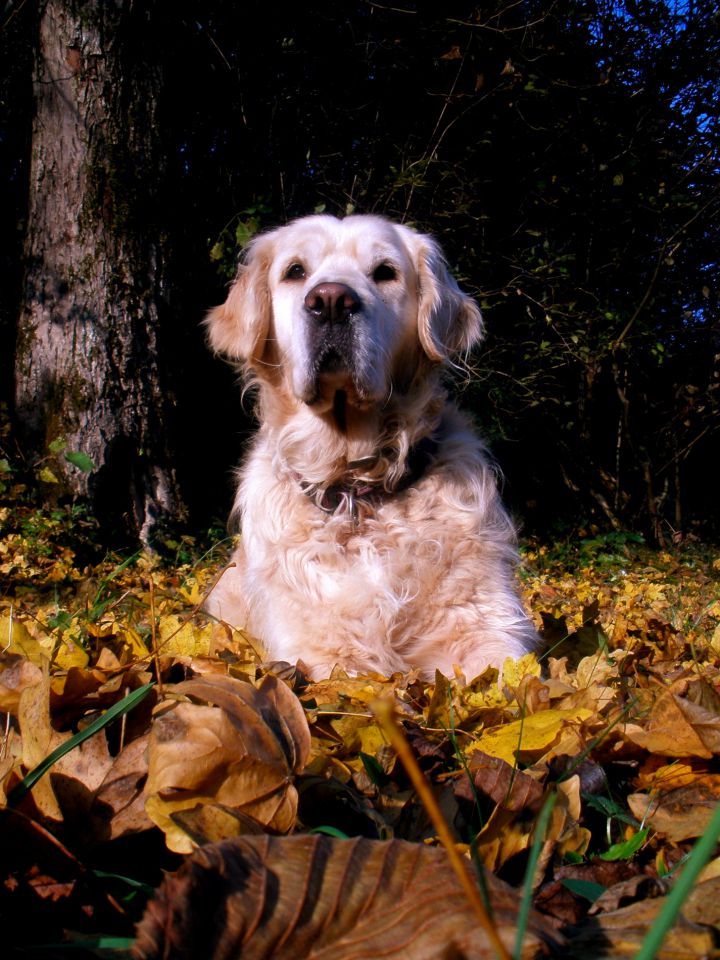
(238, 747)
(289, 898)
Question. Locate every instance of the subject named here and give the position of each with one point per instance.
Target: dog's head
(356, 305)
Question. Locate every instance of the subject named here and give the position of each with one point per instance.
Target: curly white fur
(420, 574)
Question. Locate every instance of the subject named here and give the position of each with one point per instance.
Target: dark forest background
(566, 155)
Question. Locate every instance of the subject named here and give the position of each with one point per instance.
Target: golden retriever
(373, 536)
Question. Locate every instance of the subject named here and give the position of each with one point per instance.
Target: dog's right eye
(296, 271)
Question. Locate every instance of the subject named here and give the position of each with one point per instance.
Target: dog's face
(352, 305)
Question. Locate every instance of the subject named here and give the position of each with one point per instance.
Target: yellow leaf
(193, 593)
(177, 639)
(665, 777)
(38, 740)
(371, 739)
(69, 654)
(132, 640)
(514, 670)
(490, 699)
(15, 638)
(530, 738)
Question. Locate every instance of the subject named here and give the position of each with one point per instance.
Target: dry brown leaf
(44, 887)
(340, 687)
(533, 695)
(703, 903)
(628, 891)
(88, 763)
(503, 784)
(241, 753)
(289, 898)
(619, 934)
(677, 728)
(680, 814)
(510, 831)
(118, 805)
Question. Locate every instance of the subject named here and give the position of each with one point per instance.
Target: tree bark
(88, 363)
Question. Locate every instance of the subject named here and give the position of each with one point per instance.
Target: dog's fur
(404, 559)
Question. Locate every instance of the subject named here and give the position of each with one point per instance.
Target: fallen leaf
(17, 674)
(679, 814)
(38, 740)
(16, 638)
(528, 739)
(241, 753)
(118, 804)
(677, 728)
(620, 933)
(295, 897)
(515, 671)
(501, 783)
(703, 903)
(182, 638)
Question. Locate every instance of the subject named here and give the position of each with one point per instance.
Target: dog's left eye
(383, 273)
(296, 271)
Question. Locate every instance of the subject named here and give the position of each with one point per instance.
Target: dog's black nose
(332, 302)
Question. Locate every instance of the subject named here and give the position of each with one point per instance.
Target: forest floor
(582, 779)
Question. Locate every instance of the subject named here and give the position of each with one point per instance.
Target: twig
(153, 639)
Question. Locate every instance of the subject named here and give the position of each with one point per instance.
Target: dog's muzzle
(332, 310)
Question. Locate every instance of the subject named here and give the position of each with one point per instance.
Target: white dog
(373, 536)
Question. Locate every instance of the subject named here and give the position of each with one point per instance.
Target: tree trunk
(89, 377)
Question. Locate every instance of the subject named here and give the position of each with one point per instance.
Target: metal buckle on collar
(337, 497)
(351, 498)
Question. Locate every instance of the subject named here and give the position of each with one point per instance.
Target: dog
(373, 534)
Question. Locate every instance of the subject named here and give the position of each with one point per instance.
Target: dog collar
(346, 496)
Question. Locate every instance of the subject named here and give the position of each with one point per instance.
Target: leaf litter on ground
(229, 763)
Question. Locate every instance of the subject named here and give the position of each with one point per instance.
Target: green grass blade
(123, 945)
(526, 902)
(584, 888)
(117, 710)
(128, 881)
(626, 849)
(702, 851)
(329, 831)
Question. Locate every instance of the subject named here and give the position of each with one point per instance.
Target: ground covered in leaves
(585, 774)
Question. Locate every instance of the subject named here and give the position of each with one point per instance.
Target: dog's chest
(389, 554)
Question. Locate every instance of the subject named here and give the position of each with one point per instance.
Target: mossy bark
(89, 364)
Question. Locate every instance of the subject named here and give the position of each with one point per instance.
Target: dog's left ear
(449, 321)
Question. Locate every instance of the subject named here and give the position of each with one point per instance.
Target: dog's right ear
(239, 327)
